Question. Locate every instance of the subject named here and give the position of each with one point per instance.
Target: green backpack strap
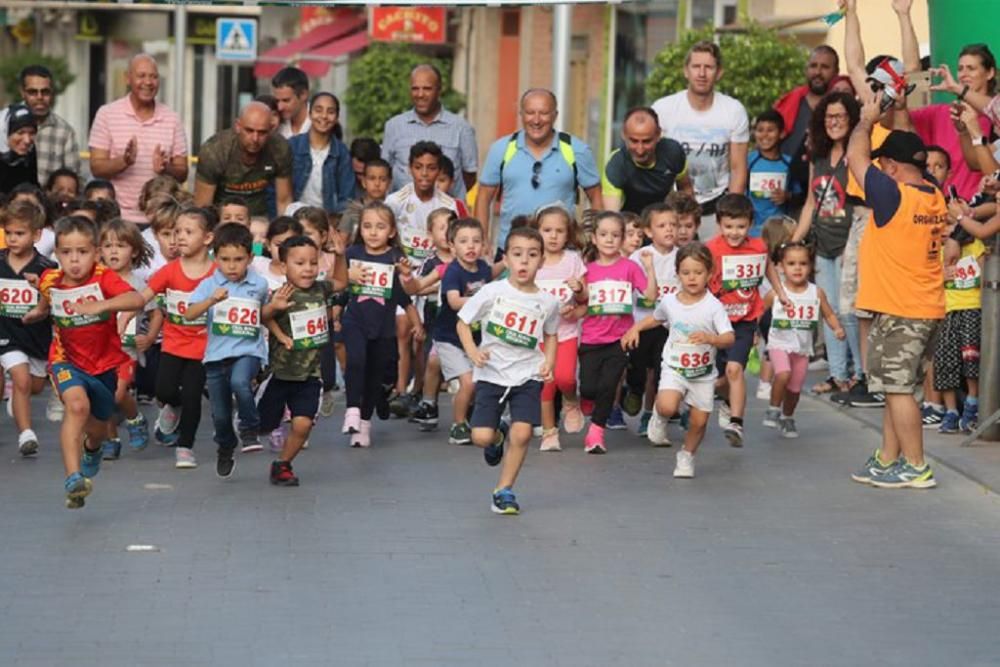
(565, 149)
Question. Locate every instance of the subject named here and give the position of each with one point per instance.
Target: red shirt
(735, 281)
(180, 337)
(89, 342)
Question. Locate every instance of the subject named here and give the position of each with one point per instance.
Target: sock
(736, 420)
(878, 457)
(972, 400)
(953, 412)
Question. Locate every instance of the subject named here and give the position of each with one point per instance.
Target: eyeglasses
(37, 92)
(536, 175)
(835, 117)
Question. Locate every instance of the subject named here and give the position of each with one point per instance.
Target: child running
(369, 319)
(560, 264)
(698, 327)
(607, 292)
(790, 339)
(517, 320)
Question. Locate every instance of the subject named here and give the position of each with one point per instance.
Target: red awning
(291, 52)
(317, 62)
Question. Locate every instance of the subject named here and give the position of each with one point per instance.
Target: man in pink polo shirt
(136, 138)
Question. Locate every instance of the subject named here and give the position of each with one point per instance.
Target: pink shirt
(552, 279)
(114, 126)
(933, 124)
(601, 329)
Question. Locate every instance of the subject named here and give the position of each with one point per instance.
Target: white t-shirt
(705, 136)
(792, 331)
(515, 324)
(680, 356)
(665, 267)
(46, 245)
(312, 193)
(411, 219)
(552, 279)
(157, 262)
(285, 128)
(262, 265)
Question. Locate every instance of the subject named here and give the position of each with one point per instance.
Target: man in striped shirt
(136, 138)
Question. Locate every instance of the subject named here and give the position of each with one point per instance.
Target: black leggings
(180, 382)
(601, 367)
(367, 362)
(647, 355)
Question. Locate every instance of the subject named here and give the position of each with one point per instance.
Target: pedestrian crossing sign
(236, 39)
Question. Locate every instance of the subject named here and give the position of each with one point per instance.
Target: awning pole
(562, 21)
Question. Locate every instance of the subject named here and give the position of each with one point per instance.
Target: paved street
(771, 556)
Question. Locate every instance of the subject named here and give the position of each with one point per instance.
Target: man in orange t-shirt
(900, 280)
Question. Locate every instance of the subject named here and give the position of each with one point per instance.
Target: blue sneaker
(111, 450)
(930, 417)
(970, 417)
(950, 423)
(77, 488)
(90, 462)
(494, 453)
(504, 502)
(616, 420)
(644, 424)
(904, 475)
(873, 467)
(138, 432)
(166, 439)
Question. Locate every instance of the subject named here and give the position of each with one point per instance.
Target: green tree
(378, 87)
(759, 66)
(10, 69)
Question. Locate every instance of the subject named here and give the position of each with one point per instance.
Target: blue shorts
(740, 351)
(525, 404)
(100, 388)
(301, 397)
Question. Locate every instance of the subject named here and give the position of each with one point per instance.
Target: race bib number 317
(610, 297)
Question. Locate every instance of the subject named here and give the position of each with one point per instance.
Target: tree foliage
(10, 69)
(378, 87)
(759, 66)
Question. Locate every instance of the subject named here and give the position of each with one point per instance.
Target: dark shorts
(100, 388)
(301, 397)
(740, 351)
(956, 354)
(525, 404)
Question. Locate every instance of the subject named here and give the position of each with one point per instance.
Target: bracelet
(961, 95)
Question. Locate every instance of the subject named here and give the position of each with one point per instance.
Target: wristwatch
(983, 141)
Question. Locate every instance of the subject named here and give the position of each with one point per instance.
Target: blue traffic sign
(236, 39)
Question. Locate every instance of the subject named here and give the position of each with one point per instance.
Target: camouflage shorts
(849, 272)
(897, 349)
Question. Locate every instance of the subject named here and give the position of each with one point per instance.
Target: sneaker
(857, 391)
(950, 423)
(426, 415)
(138, 432)
(460, 434)
(250, 442)
(225, 465)
(400, 406)
(905, 475)
(184, 458)
(326, 404)
(860, 397)
(493, 454)
(111, 450)
(644, 423)
(54, 409)
(593, 442)
(657, 433)
(537, 431)
(970, 417)
(764, 390)
(771, 417)
(787, 427)
(168, 420)
(819, 364)
(616, 421)
(573, 418)
(27, 443)
(352, 421)
(550, 441)
(684, 468)
(77, 488)
(872, 468)
(725, 414)
(930, 417)
(166, 439)
(364, 436)
(276, 440)
(631, 403)
(282, 475)
(144, 399)
(90, 462)
(382, 404)
(734, 434)
(504, 502)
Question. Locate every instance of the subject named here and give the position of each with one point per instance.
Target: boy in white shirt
(510, 366)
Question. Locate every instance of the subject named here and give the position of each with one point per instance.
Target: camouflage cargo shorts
(849, 272)
(897, 349)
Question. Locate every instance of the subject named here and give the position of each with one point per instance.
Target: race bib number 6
(514, 324)
(691, 361)
(378, 282)
(17, 297)
(309, 328)
(610, 297)
(743, 271)
(176, 303)
(63, 301)
(237, 318)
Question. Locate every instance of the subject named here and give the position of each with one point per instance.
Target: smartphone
(952, 192)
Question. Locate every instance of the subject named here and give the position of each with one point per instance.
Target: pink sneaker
(593, 442)
(352, 421)
(363, 438)
(572, 417)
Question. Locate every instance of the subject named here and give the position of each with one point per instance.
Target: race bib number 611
(515, 324)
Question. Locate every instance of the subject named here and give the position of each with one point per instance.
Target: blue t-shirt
(764, 176)
(466, 283)
(239, 331)
(374, 315)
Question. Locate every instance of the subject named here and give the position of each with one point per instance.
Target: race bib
(743, 271)
(17, 297)
(309, 328)
(379, 281)
(176, 302)
(803, 315)
(661, 291)
(967, 275)
(557, 288)
(514, 323)
(63, 300)
(765, 183)
(237, 318)
(690, 361)
(417, 242)
(128, 336)
(610, 297)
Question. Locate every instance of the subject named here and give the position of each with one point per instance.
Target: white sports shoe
(54, 409)
(764, 390)
(685, 465)
(656, 432)
(725, 414)
(168, 420)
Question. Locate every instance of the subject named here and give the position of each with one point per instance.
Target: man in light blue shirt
(535, 167)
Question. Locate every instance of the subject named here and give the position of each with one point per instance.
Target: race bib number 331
(743, 271)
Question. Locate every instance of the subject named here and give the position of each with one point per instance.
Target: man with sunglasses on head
(534, 167)
(55, 144)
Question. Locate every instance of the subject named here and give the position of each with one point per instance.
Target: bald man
(246, 160)
(136, 138)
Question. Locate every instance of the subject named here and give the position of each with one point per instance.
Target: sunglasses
(536, 178)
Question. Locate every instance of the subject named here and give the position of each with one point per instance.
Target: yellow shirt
(964, 290)
(854, 188)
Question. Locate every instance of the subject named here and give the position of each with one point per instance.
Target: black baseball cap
(903, 146)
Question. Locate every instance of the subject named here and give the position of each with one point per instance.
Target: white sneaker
(54, 409)
(725, 414)
(656, 432)
(550, 442)
(168, 420)
(537, 432)
(820, 364)
(685, 465)
(326, 404)
(27, 443)
(771, 417)
(184, 458)
(764, 390)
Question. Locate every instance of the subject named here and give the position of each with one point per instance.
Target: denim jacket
(338, 173)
